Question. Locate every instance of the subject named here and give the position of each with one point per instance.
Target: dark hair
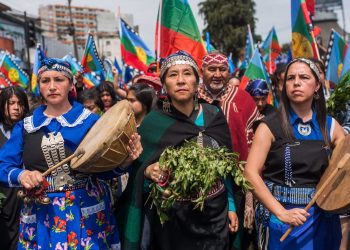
(319, 106)
(5, 97)
(90, 94)
(144, 94)
(107, 86)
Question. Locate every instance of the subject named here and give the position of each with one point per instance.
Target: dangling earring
(316, 96)
(166, 105)
(196, 104)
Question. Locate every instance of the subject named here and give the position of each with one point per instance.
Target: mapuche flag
(135, 52)
(346, 64)
(256, 70)
(91, 62)
(335, 57)
(177, 29)
(13, 72)
(303, 44)
(272, 50)
(38, 57)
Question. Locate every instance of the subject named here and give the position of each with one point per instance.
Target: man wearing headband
(258, 89)
(65, 208)
(240, 111)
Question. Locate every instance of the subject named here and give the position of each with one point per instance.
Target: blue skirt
(78, 219)
(321, 231)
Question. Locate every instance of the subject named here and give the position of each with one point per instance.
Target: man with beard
(241, 112)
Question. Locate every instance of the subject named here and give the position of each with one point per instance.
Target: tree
(226, 21)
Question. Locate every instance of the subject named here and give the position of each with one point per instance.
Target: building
(55, 22)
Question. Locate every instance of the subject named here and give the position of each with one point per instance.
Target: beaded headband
(56, 65)
(257, 87)
(180, 57)
(214, 58)
(310, 63)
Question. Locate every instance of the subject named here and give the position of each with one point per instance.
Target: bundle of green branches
(336, 104)
(192, 172)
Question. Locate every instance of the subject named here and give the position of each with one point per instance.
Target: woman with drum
(289, 154)
(68, 209)
(13, 107)
(176, 118)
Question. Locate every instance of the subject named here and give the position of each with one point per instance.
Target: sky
(268, 13)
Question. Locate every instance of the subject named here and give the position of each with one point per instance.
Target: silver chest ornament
(54, 152)
(304, 129)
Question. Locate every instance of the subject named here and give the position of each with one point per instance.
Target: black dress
(9, 212)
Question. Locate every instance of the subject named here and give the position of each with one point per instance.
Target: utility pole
(72, 30)
(27, 39)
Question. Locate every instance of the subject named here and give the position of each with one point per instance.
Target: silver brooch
(304, 129)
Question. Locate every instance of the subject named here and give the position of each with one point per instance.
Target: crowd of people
(286, 150)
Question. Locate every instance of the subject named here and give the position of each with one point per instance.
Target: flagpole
(310, 27)
(159, 35)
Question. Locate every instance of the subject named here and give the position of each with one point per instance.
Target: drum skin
(105, 144)
(336, 196)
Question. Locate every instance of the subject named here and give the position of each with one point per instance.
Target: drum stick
(78, 154)
(340, 165)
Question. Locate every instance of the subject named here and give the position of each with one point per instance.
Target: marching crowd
(286, 150)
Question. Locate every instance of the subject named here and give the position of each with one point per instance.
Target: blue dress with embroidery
(76, 218)
(292, 171)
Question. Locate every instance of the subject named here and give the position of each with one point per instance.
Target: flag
(109, 72)
(346, 64)
(272, 50)
(38, 57)
(127, 74)
(311, 6)
(75, 66)
(177, 29)
(231, 65)
(91, 79)
(135, 52)
(13, 72)
(116, 65)
(91, 62)
(208, 46)
(248, 52)
(256, 70)
(4, 82)
(302, 41)
(335, 57)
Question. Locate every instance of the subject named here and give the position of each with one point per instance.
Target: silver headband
(177, 60)
(311, 64)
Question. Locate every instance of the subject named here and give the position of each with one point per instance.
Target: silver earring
(166, 105)
(196, 104)
(316, 96)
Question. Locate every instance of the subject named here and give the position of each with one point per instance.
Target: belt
(291, 195)
(63, 184)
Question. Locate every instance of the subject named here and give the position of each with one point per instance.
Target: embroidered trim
(86, 211)
(115, 246)
(9, 178)
(29, 125)
(30, 128)
(85, 114)
(7, 134)
(28, 219)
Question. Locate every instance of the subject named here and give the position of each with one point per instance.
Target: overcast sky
(268, 13)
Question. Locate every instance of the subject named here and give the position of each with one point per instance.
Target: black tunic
(309, 158)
